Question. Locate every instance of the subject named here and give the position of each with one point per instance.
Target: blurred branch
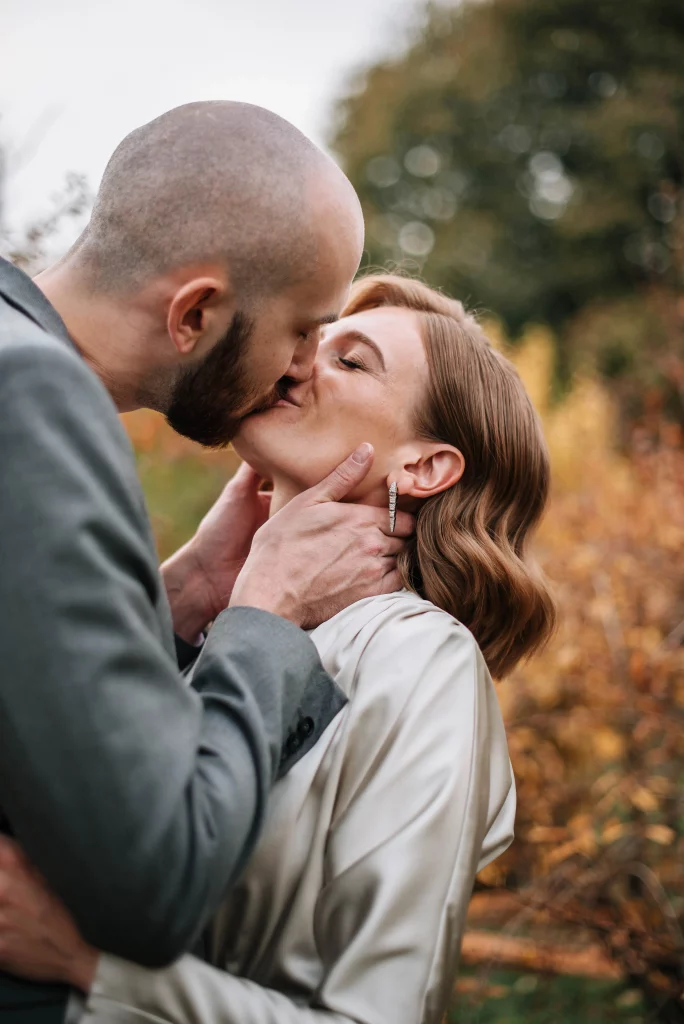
(675, 638)
(30, 250)
(19, 157)
(542, 957)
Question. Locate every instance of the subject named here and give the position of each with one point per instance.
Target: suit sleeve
(137, 797)
(427, 798)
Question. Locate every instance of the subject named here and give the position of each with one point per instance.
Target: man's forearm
(189, 594)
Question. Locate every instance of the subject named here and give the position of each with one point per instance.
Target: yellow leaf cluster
(596, 722)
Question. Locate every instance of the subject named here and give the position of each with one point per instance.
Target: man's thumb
(345, 478)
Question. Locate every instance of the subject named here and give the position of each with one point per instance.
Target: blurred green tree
(528, 155)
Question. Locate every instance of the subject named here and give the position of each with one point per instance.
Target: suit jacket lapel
(19, 291)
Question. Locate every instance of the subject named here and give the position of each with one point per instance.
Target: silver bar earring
(393, 506)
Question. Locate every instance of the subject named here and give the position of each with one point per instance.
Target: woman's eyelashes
(352, 362)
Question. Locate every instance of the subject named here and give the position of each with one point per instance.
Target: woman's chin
(259, 445)
(253, 458)
(248, 450)
(278, 447)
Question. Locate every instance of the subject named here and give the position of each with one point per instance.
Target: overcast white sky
(78, 75)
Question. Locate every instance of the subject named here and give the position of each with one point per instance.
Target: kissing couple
(253, 786)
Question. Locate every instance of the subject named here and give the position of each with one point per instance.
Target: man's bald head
(212, 183)
(220, 241)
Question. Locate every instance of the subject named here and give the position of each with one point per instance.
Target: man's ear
(197, 312)
(433, 469)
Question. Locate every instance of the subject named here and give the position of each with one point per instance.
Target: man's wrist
(83, 969)
(265, 600)
(188, 593)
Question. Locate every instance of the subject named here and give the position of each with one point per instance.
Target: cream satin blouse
(353, 905)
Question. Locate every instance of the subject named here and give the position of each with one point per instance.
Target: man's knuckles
(373, 545)
(11, 856)
(405, 525)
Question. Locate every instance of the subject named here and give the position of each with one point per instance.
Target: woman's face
(369, 375)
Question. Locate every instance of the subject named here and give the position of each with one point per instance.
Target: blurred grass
(510, 998)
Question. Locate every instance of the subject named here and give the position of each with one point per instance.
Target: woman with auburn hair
(352, 909)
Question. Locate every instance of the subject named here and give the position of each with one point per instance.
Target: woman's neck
(283, 492)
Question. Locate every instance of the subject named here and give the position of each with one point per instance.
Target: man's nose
(301, 367)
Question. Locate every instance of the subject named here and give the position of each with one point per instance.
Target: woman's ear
(436, 468)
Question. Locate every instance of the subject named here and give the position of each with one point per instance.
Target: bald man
(220, 240)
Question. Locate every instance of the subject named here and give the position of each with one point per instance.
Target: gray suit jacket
(138, 797)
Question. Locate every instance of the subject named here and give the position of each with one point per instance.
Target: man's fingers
(15, 864)
(243, 484)
(391, 582)
(405, 525)
(264, 498)
(343, 479)
(11, 855)
(393, 546)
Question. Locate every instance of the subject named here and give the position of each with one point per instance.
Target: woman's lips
(268, 406)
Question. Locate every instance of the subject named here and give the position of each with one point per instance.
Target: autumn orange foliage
(596, 722)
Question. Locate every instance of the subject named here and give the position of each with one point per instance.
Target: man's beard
(210, 400)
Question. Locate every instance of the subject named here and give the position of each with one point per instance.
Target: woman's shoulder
(383, 608)
(401, 612)
(422, 706)
(399, 642)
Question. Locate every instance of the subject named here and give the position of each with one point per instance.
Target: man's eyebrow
(363, 339)
(329, 318)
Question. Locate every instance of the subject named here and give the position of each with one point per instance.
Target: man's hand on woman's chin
(200, 577)
(313, 558)
(39, 939)
(317, 555)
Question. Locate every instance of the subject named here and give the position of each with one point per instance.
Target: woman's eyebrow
(363, 339)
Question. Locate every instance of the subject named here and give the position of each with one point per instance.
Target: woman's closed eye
(352, 362)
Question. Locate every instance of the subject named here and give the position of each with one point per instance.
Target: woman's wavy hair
(469, 555)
